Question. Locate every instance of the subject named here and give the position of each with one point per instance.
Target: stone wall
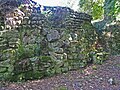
(42, 40)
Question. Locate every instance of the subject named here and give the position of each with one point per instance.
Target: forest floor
(93, 77)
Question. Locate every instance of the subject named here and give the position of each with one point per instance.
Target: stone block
(72, 49)
(58, 50)
(3, 69)
(53, 35)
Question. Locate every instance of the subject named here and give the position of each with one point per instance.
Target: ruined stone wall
(46, 41)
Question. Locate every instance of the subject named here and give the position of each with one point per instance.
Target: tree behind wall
(104, 10)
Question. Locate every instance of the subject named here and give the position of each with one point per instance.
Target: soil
(93, 77)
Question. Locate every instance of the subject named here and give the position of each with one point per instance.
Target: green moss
(62, 88)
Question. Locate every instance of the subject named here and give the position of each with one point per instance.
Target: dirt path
(91, 78)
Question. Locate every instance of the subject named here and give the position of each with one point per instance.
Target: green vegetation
(62, 88)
